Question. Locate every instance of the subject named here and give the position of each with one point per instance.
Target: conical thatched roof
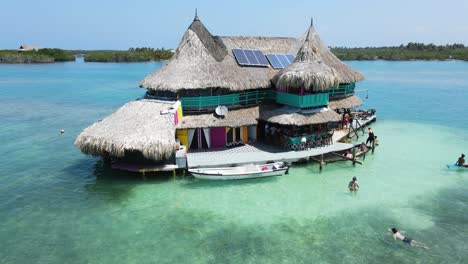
(299, 117)
(307, 70)
(136, 126)
(346, 102)
(234, 118)
(311, 70)
(345, 73)
(205, 61)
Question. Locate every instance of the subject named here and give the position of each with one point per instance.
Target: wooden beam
(346, 158)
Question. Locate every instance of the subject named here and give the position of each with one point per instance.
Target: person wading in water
(353, 185)
(371, 136)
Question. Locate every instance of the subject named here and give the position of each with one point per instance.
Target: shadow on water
(193, 183)
(106, 184)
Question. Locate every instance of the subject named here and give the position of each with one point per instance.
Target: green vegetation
(412, 51)
(40, 56)
(130, 55)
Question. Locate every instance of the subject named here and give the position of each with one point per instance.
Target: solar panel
(290, 57)
(282, 58)
(275, 63)
(261, 58)
(240, 57)
(251, 57)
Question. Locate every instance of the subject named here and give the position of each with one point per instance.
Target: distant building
(29, 47)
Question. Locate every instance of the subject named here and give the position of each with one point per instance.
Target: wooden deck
(256, 153)
(339, 135)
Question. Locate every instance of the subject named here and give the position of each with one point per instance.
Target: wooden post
(373, 145)
(357, 136)
(174, 173)
(143, 175)
(321, 162)
(354, 156)
(361, 127)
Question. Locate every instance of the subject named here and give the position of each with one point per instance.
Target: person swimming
(397, 235)
(353, 185)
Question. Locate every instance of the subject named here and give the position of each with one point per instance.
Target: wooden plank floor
(256, 153)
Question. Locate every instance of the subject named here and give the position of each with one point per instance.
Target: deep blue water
(58, 205)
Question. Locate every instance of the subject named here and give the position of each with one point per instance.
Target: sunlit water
(60, 206)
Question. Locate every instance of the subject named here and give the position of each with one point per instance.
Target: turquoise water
(60, 206)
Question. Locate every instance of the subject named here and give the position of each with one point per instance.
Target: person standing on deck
(346, 120)
(371, 136)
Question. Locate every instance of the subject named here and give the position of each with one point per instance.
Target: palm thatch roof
(234, 118)
(206, 61)
(307, 70)
(345, 73)
(299, 117)
(136, 126)
(346, 102)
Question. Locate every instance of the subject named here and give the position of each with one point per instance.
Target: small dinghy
(242, 172)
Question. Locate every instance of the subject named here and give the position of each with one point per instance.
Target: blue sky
(120, 24)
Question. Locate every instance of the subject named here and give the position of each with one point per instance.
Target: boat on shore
(241, 172)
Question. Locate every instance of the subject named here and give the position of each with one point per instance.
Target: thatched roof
(345, 73)
(136, 126)
(234, 118)
(307, 70)
(206, 61)
(346, 102)
(299, 117)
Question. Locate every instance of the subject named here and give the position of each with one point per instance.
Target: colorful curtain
(178, 114)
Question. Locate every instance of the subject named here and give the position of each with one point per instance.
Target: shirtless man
(397, 235)
(461, 161)
(353, 185)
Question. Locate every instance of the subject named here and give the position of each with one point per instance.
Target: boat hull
(241, 172)
(205, 176)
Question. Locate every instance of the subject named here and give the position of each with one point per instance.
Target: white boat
(241, 172)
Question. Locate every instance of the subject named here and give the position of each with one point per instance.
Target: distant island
(410, 51)
(130, 55)
(35, 55)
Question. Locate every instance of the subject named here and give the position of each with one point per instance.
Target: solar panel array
(248, 57)
(280, 61)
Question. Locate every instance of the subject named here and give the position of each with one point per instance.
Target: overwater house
(222, 91)
(29, 48)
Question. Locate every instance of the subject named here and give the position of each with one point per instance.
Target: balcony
(201, 103)
(302, 101)
(342, 90)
